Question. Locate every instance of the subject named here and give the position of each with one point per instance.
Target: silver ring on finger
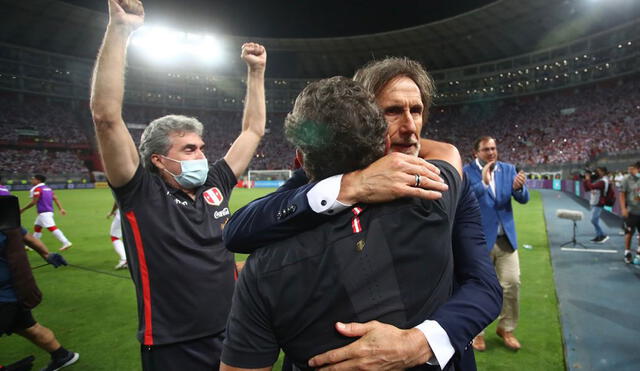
(417, 180)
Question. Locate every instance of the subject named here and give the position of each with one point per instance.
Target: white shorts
(116, 227)
(45, 220)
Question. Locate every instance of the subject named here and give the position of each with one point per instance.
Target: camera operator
(598, 190)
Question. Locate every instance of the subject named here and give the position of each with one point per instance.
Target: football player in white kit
(116, 237)
(42, 197)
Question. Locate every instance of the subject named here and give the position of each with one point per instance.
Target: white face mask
(194, 172)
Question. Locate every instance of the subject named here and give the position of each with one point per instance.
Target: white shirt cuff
(323, 197)
(438, 341)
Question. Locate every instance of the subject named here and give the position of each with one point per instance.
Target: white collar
(482, 167)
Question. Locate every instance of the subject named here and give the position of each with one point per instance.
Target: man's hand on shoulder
(392, 177)
(380, 347)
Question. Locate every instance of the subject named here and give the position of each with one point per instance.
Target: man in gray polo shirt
(630, 208)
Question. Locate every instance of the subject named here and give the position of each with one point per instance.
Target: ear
(156, 161)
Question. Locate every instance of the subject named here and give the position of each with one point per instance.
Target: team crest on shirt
(213, 196)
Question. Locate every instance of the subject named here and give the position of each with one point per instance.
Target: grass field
(93, 312)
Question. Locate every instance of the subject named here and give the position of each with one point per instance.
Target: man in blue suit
(494, 183)
(476, 299)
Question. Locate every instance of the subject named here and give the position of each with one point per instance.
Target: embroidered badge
(213, 196)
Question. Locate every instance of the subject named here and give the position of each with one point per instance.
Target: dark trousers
(193, 355)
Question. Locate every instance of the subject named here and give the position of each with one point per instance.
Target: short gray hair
(156, 136)
(337, 126)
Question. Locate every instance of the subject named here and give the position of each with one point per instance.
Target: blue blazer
(496, 209)
(477, 297)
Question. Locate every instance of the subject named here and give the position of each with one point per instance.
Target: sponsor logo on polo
(220, 213)
(213, 196)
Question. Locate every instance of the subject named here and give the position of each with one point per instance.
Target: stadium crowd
(39, 121)
(556, 128)
(34, 161)
(552, 129)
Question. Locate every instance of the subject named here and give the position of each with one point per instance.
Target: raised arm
(254, 116)
(117, 149)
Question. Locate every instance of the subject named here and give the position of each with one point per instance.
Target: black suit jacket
(477, 296)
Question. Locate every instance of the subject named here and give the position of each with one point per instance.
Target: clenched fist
(255, 55)
(128, 13)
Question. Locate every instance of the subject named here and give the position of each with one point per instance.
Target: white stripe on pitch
(589, 250)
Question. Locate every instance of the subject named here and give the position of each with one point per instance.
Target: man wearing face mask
(174, 205)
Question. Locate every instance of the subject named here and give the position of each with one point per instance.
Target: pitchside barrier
(265, 178)
(26, 187)
(575, 187)
(267, 183)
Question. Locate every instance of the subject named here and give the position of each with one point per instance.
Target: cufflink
(323, 202)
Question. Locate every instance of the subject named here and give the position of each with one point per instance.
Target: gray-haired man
(390, 262)
(174, 206)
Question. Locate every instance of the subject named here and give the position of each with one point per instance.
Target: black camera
(588, 171)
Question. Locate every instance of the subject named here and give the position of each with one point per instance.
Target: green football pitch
(91, 308)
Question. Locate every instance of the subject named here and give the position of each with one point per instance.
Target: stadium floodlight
(160, 44)
(164, 45)
(209, 50)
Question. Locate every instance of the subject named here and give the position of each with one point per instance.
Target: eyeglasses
(488, 149)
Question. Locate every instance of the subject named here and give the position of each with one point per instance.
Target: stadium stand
(565, 99)
(566, 127)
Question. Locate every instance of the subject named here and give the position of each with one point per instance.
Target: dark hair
(337, 126)
(636, 165)
(375, 75)
(40, 177)
(484, 138)
(603, 169)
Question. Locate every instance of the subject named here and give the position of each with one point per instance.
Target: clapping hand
(519, 180)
